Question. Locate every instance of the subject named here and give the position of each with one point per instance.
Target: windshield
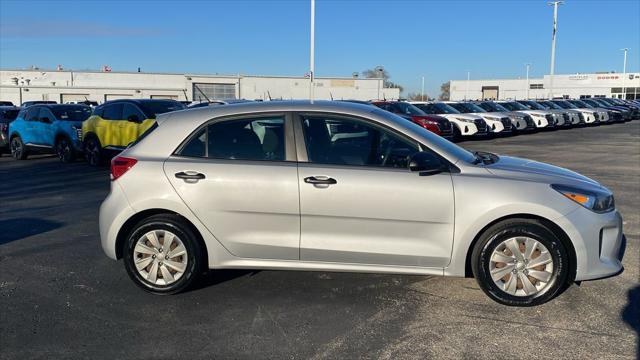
(152, 108)
(514, 106)
(440, 142)
(550, 105)
(493, 107)
(409, 109)
(565, 104)
(437, 108)
(71, 112)
(532, 105)
(581, 104)
(468, 108)
(591, 102)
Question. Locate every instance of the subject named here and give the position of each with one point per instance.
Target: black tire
(177, 226)
(64, 149)
(93, 152)
(18, 149)
(457, 135)
(536, 230)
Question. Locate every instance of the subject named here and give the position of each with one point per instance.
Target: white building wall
(23, 85)
(573, 86)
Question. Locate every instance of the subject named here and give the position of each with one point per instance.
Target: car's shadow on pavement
(215, 277)
(20, 228)
(631, 312)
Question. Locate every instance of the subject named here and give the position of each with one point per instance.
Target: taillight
(120, 165)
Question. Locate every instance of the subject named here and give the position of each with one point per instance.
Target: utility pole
(624, 73)
(422, 92)
(312, 52)
(527, 65)
(466, 93)
(553, 44)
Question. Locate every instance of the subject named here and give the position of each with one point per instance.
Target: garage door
(204, 91)
(170, 97)
(64, 98)
(108, 97)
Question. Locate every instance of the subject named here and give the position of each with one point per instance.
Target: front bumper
(598, 241)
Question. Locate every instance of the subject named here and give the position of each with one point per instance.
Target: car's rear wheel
(520, 262)
(93, 151)
(18, 150)
(65, 150)
(457, 135)
(162, 255)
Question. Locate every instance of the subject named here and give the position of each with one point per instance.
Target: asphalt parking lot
(61, 297)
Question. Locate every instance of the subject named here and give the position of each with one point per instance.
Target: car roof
(135, 101)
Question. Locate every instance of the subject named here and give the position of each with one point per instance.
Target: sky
(440, 40)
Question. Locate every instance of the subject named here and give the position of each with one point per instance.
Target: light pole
(422, 92)
(624, 73)
(553, 43)
(312, 52)
(527, 89)
(466, 92)
(380, 71)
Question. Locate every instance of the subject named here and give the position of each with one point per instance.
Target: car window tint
(112, 112)
(33, 114)
(247, 139)
(343, 141)
(46, 113)
(130, 110)
(196, 147)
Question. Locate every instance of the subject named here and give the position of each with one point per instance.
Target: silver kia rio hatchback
(336, 186)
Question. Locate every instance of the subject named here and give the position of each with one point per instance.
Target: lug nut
(153, 256)
(160, 263)
(166, 257)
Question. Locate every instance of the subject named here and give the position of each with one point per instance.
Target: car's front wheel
(93, 151)
(18, 150)
(162, 255)
(520, 262)
(64, 150)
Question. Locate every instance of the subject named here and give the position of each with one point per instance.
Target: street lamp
(553, 43)
(422, 92)
(466, 92)
(527, 89)
(624, 73)
(312, 50)
(380, 71)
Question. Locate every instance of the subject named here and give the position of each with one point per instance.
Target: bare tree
(445, 91)
(418, 97)
(374, 74)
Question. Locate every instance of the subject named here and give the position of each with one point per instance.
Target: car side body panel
(115, 133)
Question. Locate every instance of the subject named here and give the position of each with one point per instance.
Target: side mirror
(133, 118)
(45, 120)
(427, 163)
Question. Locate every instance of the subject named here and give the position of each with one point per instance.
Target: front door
(359, 203)
(239, 177)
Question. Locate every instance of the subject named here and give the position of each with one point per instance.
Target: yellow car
(116, 124)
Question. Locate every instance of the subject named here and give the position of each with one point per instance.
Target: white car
(464, 125)
(497, 122)
(570, 117)
(559, 118)
(541, 118)
(603, 114)
(520, 121)
(590, 116)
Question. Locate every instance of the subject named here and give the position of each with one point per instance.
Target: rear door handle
(190, 175)
(316, 181)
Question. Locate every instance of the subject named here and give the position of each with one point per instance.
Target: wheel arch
(128, 226)
(562, 235)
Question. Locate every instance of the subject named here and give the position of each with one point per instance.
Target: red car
(434, 123)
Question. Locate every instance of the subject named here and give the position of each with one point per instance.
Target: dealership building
(19, 86)
(575, 86)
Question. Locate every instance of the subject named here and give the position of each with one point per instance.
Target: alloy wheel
(16, 148)
(63, 148)
(521, 266)
(160, 257)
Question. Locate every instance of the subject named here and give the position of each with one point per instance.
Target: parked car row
(70, 130)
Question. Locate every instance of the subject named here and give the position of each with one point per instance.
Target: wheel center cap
(520, 265)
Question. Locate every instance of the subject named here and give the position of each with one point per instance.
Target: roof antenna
(269, 95)
(331, 95)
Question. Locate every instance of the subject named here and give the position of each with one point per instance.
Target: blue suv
(47, 129)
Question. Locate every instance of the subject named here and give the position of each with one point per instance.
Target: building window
(616, 90)
(536, 86)
(204, 91)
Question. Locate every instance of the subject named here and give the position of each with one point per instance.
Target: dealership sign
(578, 77)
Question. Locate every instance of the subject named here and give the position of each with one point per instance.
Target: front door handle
(190, 175)
(323, 181)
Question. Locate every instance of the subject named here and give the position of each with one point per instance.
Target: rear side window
(242, 139)
(9, 115)
(112, 112)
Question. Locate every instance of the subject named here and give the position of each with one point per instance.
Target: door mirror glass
(426, 163)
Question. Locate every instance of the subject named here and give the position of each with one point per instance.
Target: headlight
(465, 120)
(600, 201)
(538, 115)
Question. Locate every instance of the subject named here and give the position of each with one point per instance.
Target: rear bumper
(114, 212)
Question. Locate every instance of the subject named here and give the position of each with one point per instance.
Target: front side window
(72, 112)
(112, 112)
(33, 114)
(352, 142)
(132, 113)
(242, 139)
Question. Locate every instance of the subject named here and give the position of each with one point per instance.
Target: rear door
(239, 177)
(32, 124)
(359, 203)
(108, 127)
